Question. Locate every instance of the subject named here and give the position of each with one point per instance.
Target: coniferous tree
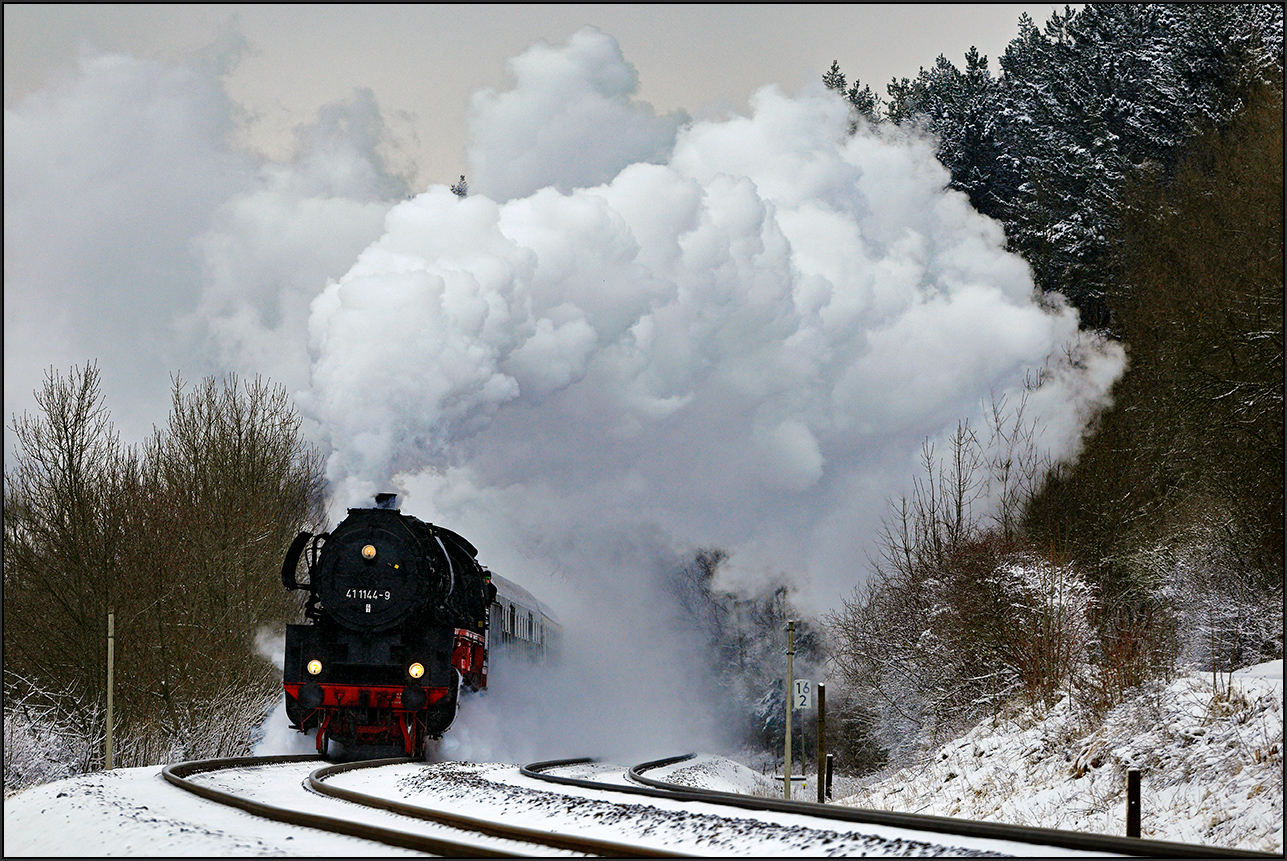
(834, 79)
(863, 102)
(1179, 489)
(1078, 106)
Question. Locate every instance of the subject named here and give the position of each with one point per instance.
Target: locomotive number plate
(368, 594)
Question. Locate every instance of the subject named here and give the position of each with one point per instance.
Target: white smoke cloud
(569, 122)
(109, 173)
(138, 235)
(269, 244)
(744, 346)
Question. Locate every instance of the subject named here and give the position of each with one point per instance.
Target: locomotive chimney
(386, 500)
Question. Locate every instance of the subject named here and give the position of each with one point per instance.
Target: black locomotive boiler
(397, 621)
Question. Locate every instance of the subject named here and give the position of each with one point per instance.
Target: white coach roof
(516, 594)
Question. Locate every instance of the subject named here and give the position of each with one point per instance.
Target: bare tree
(181, 537)
(225, 488)
(961, 614)
(63, 536)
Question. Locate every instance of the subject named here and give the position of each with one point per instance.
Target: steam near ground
(637, 335)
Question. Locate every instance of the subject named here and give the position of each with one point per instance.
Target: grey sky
(424, 62)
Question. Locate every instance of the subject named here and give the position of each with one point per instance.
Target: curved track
(1076, 840)
(180, 773)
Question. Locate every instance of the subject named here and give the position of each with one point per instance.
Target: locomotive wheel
(432, 750)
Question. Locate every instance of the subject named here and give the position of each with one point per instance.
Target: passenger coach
(520, 625)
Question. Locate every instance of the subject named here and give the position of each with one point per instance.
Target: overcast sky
(423, 62)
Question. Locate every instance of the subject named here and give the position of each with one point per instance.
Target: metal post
(1133, 802)
(790, 701)
(822, 739)
(111, 651)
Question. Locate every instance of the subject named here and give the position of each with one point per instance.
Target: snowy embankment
(1210, 752)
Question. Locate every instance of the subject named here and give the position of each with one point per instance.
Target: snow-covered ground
(1210, 752)
(1212, 765)
(134, 812)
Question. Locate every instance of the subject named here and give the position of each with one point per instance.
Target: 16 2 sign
(802, 694)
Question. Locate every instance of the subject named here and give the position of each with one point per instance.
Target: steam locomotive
(398, 617)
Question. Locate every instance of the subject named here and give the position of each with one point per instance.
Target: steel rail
(179, 773)
(1078, 840)
(588, 845)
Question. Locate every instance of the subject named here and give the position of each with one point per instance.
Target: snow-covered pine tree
(1096, 94)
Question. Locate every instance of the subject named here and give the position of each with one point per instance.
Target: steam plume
(743, 345)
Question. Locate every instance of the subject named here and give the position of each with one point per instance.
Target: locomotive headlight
(368, 552)
(314, 667)
(416, 670)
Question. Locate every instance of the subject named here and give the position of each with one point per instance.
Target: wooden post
(829, 757)
(1133, 802)
(790, 701)
(822, 740)
(111, 653)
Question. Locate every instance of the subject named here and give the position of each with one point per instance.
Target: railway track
(1074, 840)
(442, 832)
(477, 837)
